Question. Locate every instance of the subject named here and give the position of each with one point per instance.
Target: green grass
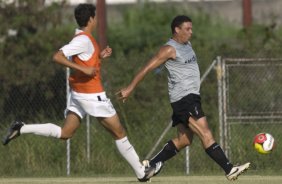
(164, 180)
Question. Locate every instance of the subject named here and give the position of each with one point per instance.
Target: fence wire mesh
(252, 90)
(252, 103)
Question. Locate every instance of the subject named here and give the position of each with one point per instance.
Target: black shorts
(186, 107)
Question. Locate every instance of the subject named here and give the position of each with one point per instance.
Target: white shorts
(94, 104)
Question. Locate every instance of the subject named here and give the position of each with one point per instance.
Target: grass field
(156, 180)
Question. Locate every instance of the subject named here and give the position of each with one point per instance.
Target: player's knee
(189, 142)
(66, 135)
(182, 142)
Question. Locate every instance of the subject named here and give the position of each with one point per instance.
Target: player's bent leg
(71, 124)
(237, 170)
(171, 148)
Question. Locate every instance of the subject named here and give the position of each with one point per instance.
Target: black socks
(168, 151)
(216, 153)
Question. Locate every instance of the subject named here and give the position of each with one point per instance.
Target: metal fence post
(67, 103)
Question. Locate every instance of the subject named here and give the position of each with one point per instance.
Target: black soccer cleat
(149, 172)
(13, 132)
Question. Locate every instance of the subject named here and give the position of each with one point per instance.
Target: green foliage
(142, 29)
(27, 70)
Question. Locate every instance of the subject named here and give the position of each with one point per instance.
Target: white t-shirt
(80, 45)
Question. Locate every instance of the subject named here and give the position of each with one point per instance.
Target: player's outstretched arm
(165, 53)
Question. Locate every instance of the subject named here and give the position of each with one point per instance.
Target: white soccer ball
(264, 143)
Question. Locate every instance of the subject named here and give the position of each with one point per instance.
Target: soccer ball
(264, 143)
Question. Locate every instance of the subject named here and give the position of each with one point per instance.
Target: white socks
(128, 152)
(48, 130)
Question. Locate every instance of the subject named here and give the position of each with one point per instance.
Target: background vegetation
(32, 87)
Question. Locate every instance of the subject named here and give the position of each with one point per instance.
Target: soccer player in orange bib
(87, 93)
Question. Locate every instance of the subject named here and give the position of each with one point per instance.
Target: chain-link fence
(251, 103)
(39, 103)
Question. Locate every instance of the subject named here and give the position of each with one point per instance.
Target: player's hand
(90, 71)
(124, 93)
(106, 52)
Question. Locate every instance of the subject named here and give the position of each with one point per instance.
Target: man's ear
(89, 21)
(176, 29)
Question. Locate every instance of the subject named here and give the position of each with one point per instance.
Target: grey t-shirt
(183, 72)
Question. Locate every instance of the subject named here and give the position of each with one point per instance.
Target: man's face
(184, 31)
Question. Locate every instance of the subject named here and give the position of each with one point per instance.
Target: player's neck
(178, 40)
(87, 30)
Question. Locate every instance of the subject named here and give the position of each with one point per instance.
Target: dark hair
(83, 12)
(178, 20)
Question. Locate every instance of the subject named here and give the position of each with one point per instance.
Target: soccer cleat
(237, 170)
(13, 132)
(149, 172)
(158, 166)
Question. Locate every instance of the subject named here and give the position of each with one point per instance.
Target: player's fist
(91, 71)
(106, 52)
